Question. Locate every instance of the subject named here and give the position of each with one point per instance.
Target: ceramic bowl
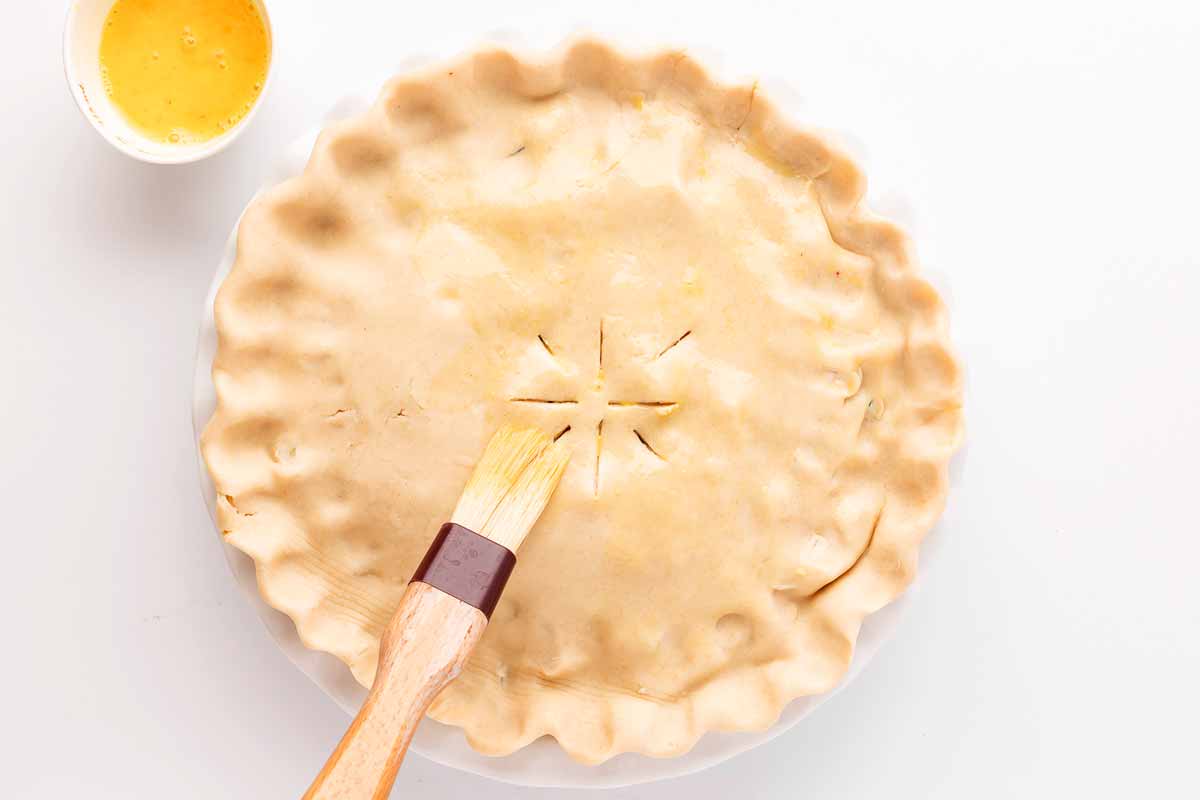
(81, 61)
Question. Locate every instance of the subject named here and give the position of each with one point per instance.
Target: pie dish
(756, 384)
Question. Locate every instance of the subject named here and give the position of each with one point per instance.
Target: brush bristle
(521, 507)
(512, 483)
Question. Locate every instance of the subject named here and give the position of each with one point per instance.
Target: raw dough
(756, 385)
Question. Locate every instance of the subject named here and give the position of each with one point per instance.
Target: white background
(1050, 153)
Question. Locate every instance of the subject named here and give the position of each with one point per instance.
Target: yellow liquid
(184, 70)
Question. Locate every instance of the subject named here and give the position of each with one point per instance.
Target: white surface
(81, 63)
(1049, 151)
(542, 763)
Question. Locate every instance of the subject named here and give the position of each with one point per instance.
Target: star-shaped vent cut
(601, 405)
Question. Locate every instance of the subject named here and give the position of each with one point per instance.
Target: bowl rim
(185, 154)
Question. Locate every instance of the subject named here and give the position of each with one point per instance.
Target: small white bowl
(81, 60)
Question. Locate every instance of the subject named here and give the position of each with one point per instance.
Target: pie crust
(756, 385)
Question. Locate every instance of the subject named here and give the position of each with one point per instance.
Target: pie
(756, 385)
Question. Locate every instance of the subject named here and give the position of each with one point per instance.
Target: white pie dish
(81, 64)
(542, 763)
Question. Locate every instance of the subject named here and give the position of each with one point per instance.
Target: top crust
(757, 387)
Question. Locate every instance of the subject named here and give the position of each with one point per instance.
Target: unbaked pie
(662, 271)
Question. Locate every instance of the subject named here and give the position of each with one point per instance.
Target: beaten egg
(184, 71)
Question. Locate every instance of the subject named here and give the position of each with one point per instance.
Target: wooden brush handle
(424, 648)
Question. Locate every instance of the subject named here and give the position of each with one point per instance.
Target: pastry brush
(444, 609)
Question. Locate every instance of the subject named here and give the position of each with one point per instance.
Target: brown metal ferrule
(468, 566)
